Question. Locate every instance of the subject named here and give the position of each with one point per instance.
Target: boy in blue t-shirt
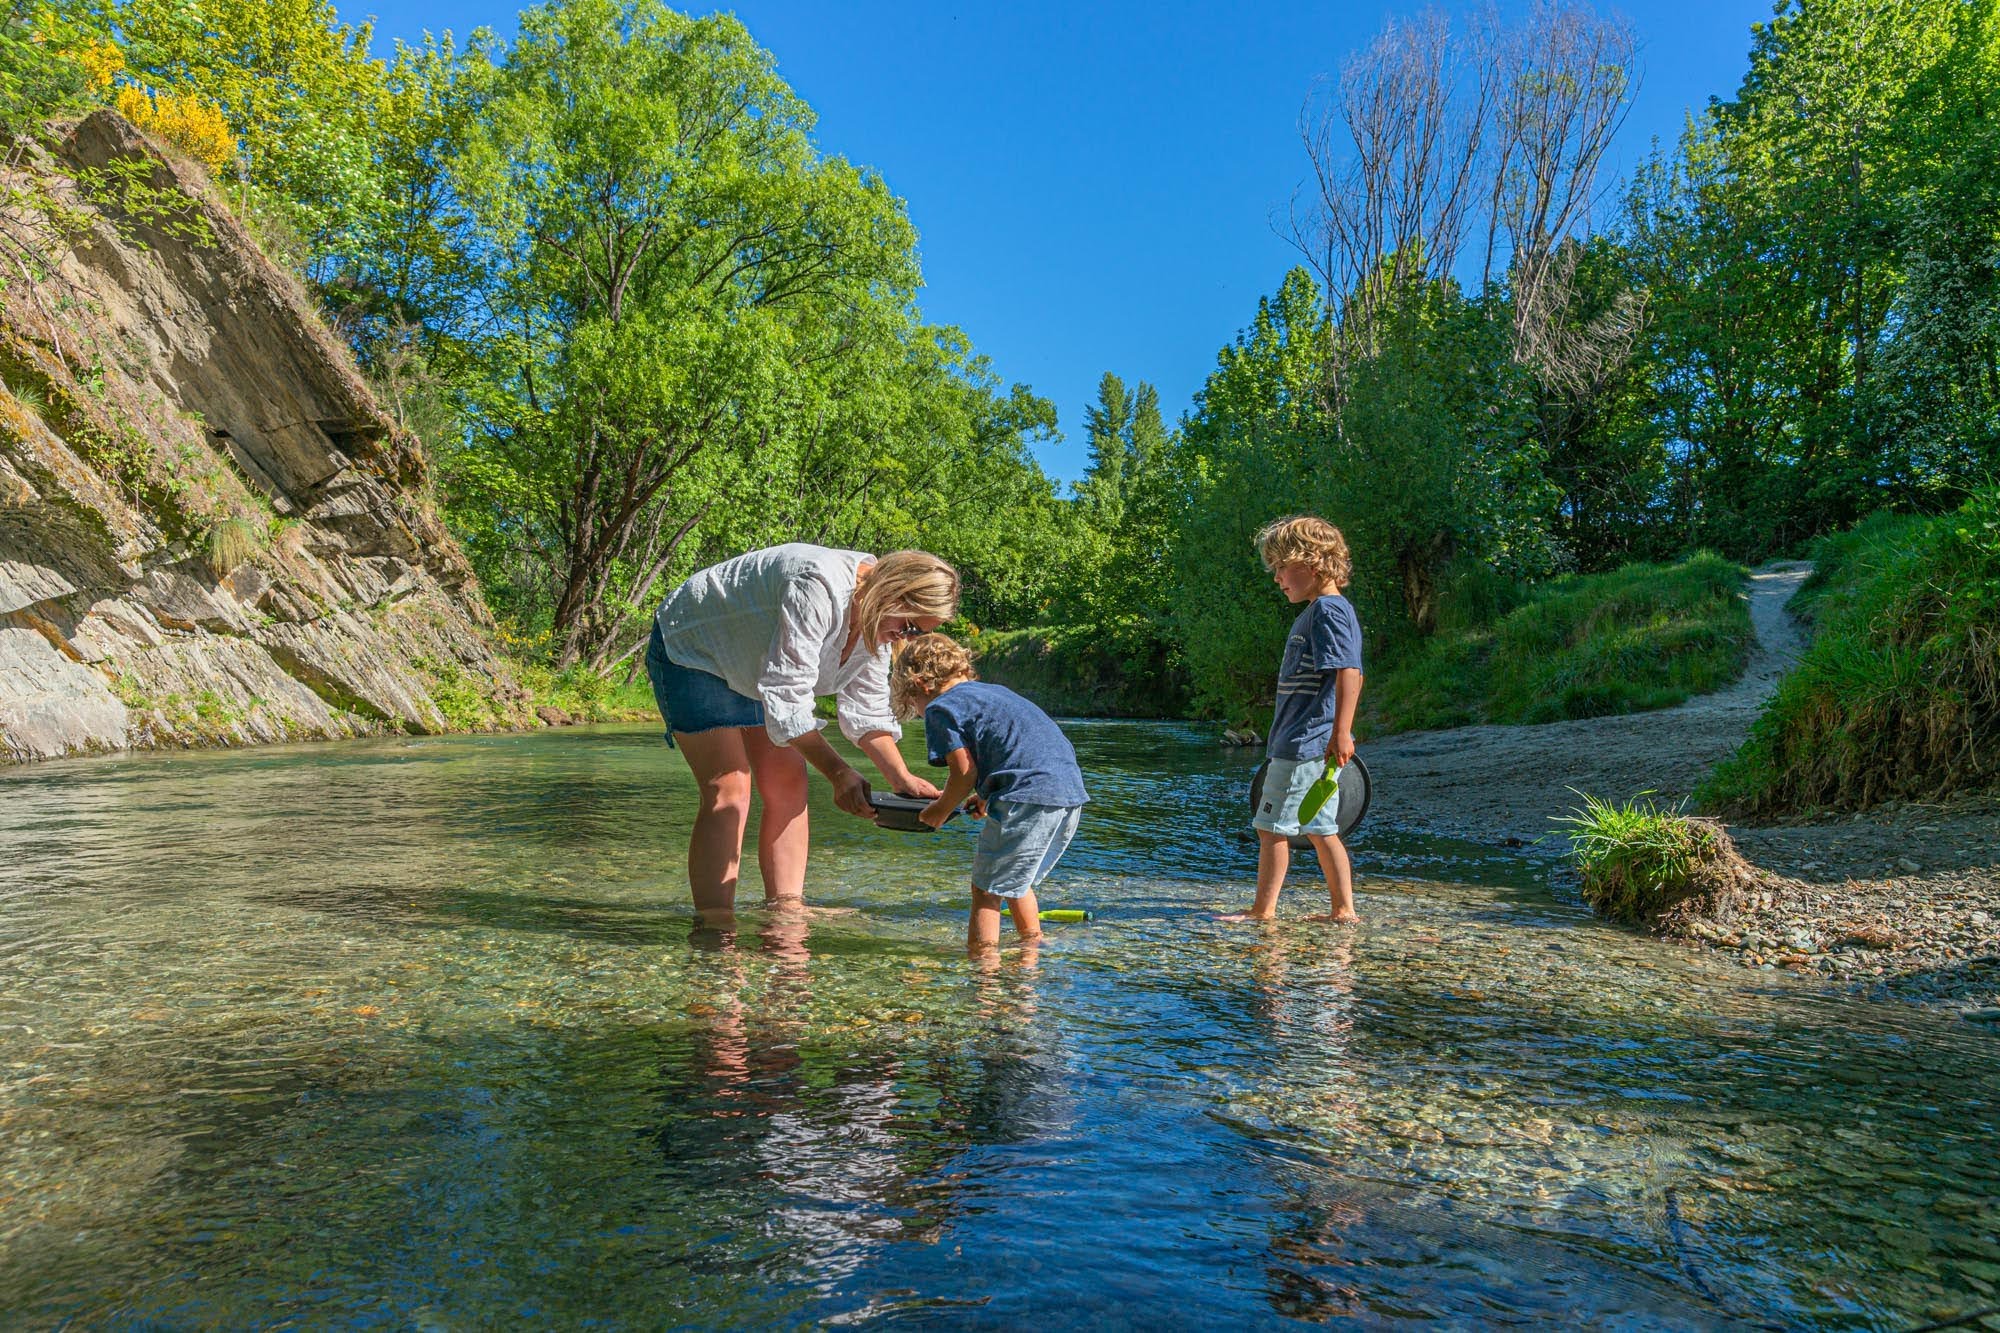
(995, 742)
(1319, 684)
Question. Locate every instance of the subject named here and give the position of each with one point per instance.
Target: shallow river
(418, 1033)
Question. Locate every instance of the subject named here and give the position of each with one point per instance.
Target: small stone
(1907, 866)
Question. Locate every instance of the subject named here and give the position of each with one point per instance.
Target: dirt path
(1905, 899)
(1493, 783)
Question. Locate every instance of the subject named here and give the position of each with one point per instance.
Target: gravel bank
(1903, 901)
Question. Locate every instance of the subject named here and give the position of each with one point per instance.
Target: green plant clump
(1074, 671)
(232, 542)
(1899, 694)
(457, 695)
(1643, 637)
(587, 695)
(1639, 863)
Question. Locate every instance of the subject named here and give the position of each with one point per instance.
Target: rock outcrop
(210, 532)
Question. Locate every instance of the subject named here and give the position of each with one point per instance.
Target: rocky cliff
(210, 532)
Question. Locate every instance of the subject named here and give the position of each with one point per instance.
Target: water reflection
(422, 1033)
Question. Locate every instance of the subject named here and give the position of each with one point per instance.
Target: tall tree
(1107, 423)
(680, 266)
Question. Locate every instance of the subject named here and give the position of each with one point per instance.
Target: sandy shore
(1904, 900)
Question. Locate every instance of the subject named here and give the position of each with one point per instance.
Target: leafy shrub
(190, 123)
(1078, 671)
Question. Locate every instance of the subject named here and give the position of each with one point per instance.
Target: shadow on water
(421, 1033)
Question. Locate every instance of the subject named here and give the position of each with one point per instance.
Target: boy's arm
(1346, 694)
(956, 788)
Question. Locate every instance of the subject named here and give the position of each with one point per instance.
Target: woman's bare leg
(783, 840)
(721, 767)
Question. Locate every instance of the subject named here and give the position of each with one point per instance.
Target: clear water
(419, 1034)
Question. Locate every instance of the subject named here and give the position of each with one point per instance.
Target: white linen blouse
(771, 623)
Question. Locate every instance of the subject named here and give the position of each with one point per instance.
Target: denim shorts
(1285, 784)
(1020, 844)
(692, 701)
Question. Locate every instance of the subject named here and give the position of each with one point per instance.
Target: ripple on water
(419, 1032)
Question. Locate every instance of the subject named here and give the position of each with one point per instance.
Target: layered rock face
(210, 532)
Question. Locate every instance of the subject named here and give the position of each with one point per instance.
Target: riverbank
(1903, 901)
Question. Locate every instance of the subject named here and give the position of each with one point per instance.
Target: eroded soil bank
(1903, 900)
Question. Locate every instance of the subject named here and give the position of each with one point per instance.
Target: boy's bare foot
(1338, 918)
(1234, 917)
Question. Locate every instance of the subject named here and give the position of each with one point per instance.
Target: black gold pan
(893, 811)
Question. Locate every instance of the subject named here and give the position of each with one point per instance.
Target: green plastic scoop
(1319, 794)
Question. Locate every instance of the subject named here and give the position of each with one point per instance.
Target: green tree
(1107, 424)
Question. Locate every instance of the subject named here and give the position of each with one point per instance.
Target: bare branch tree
(1395, 146)
(1425, 127)
(1566, 79)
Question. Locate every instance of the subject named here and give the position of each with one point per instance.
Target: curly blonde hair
(921, 667)
(914, 584)
(1309, 540)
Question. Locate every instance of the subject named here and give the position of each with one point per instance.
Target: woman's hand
(850, 793)
(880, 747)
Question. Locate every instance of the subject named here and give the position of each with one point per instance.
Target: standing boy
(1319, 683)
(1022, 766)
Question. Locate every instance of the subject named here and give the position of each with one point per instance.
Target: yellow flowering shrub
(133, 104)
(192, 124)
(101, 62)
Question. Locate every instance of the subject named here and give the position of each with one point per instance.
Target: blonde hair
(914, 584)
(923, 666)
(1309, 540)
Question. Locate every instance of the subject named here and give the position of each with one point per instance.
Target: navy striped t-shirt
(1325, 638)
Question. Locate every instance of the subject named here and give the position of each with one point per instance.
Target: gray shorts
(1020, 844)
(1285, 784)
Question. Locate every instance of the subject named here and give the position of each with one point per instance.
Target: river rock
(190, 382)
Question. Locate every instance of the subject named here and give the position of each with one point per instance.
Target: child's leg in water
(983, 930)
(1274, 858)
(1027, 915)
(1339, 872)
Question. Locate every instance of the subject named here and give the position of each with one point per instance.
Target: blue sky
(1095, 187)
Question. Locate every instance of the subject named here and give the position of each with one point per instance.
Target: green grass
(1638, 638)
(587, 696)
(1638, 861)
(232, 542)
(1899, 694)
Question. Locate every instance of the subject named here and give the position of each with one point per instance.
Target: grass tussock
(1643, 637)
(1899, 694)
(232, 542)
(1646, 866)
